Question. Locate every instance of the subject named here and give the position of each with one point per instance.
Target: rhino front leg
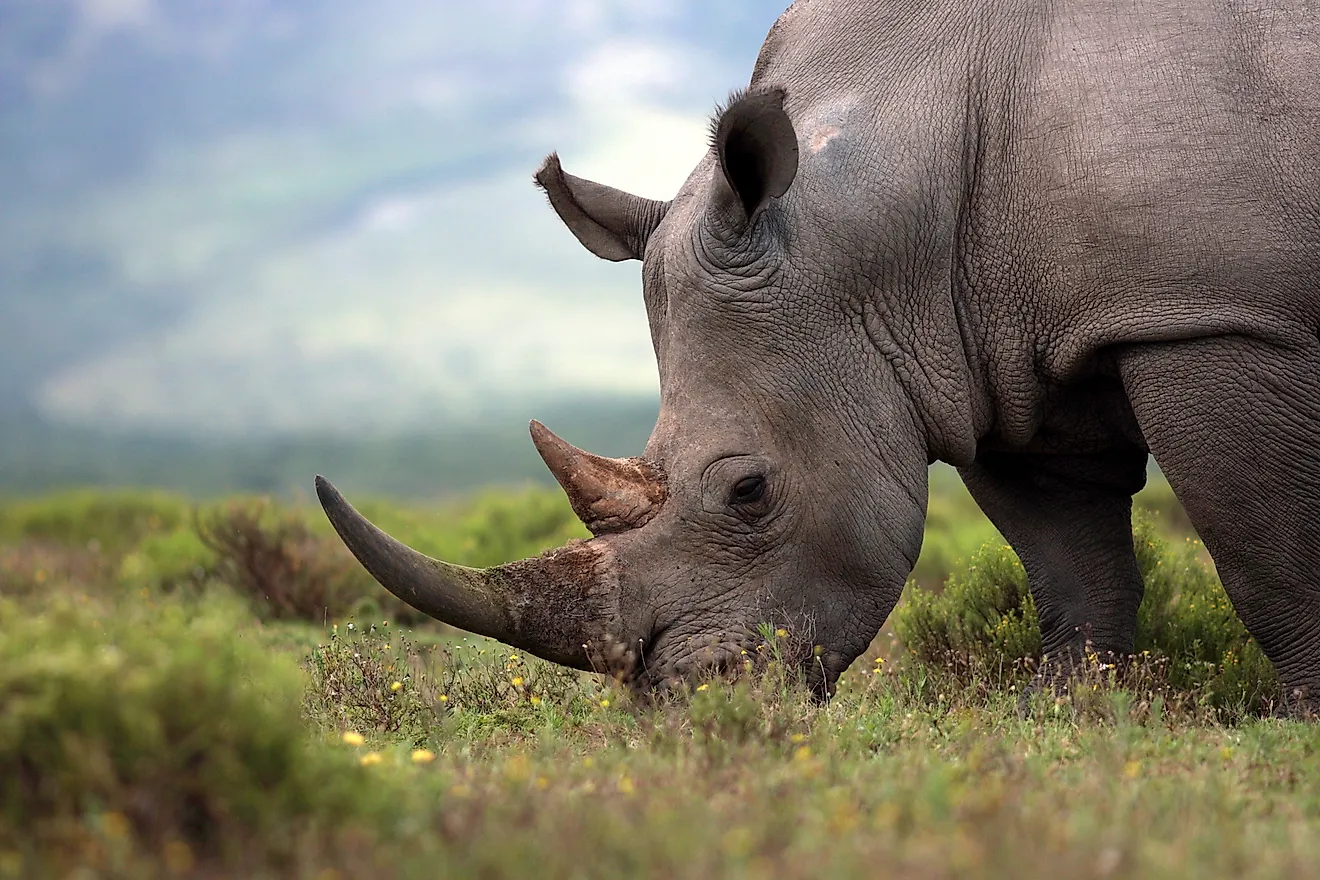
(1235, 424)
(1069, 517)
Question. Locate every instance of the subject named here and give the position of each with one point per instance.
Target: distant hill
(37, 457)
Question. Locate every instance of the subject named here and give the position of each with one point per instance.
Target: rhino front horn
(562, 606)
(607, 494)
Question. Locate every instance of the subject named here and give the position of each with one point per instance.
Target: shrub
(160, 728)
(983, 622)
(984, 625)
(1186, 617)
(274, 559)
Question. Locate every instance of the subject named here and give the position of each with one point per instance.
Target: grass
(160, 722)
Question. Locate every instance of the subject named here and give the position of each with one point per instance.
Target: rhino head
(785, 480)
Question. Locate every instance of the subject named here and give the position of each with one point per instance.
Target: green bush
(111, 522)
(984, 619)
(160, 729)
(1187, 618)
(984, 625)
(168, 561)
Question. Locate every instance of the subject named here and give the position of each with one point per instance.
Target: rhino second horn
(607, 494)
(561, 606)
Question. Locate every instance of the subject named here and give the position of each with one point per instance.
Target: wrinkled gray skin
(1037, 240)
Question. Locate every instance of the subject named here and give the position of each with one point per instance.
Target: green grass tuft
(984, 626)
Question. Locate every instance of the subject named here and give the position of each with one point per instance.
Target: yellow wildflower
(703, 687)
(370, 759)
(536, 701)
(422, 756)
(114, 824)
(517, 681)
(444, 698)
(396, 687)
(803, 753)
(781, 633)
(625, 785)
(353, 738)
(604, 704)
(178, 857)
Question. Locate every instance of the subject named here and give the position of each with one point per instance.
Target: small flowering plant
(363, 679)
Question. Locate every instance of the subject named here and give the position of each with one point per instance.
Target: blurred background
(244, 241)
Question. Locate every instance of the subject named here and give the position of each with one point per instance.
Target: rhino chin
(562, 606)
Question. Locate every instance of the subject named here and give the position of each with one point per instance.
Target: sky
(318, 214)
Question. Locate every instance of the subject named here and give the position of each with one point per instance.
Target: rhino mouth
(672, 663)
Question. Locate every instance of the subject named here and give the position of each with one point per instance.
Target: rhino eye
(748, 490)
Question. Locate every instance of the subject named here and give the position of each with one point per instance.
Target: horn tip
(542, 436)
(326, 492)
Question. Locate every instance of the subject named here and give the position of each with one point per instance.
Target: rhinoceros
(1039, 240)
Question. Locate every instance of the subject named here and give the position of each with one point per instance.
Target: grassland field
(218, 690)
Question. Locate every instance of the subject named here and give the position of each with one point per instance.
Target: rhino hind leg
(1235, 425)
(1069, 517)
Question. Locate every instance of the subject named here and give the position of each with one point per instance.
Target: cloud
(103, 16)
(635, 140)
(391, 263)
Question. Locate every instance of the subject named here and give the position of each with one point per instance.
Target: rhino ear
(757, 149)
(612, 224)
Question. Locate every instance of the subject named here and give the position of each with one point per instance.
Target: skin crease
(1036, 240)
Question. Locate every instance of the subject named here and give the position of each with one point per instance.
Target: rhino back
(1112, 172)
(1172, 159)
